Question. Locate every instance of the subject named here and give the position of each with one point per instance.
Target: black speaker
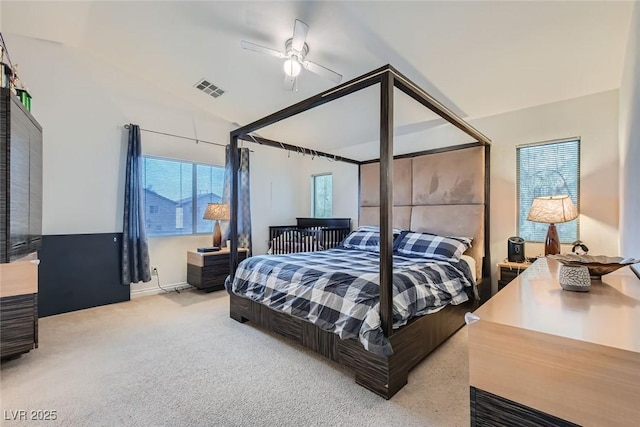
(515, 249)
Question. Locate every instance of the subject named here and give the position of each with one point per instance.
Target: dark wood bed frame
(384, 375)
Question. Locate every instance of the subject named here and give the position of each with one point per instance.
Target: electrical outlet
(154, 271)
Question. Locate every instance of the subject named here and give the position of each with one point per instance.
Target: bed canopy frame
(371, 372)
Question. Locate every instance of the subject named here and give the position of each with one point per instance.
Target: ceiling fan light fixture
(292, 67)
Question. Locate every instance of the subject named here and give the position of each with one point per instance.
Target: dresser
(539, 355)
(20, 179)
(21, 225)
(208, 271)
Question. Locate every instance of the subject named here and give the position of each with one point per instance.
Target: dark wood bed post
(486, 265)
(386, 203)
(233, 223)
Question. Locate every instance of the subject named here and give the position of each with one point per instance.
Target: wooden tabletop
(609, 314)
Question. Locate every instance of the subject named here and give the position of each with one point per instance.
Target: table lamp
(552, 210)
(218, 212)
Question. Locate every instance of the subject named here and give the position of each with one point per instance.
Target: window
(176, 194)
(548, 169)
(322, 196)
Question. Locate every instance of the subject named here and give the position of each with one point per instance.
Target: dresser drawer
(18, 324)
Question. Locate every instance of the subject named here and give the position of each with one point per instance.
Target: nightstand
(507, 271)
(208, 271)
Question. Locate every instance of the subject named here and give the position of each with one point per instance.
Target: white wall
(82, 104)
(345, 186)
(593, 118)
(630, 144)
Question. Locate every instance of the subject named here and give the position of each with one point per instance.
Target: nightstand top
(220, 252)
(198, 258)
(514, 265)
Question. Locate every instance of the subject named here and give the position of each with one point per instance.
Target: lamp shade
(552, 210)
(219, 211)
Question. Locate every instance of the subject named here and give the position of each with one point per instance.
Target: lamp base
(217, 234)
(552, 242)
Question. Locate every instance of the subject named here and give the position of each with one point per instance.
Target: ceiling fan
(295, 52)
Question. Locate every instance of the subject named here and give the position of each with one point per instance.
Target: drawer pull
(19, 245)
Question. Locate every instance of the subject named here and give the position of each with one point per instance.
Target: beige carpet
(179, 360)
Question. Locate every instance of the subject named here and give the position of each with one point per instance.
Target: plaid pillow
(431, 245)
(366, 240)
(366, 237)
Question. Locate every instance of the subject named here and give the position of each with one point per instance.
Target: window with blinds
(547, 169)
(176, 194)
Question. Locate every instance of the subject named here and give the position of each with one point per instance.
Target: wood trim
(18, 278)
(566, 378)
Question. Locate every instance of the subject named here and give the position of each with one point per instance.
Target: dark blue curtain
(135, 251)
(244, 198)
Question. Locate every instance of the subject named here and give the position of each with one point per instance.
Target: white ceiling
(479, 58)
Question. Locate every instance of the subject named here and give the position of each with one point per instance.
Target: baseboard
(155, 290)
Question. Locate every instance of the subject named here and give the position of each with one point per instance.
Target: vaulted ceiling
(478, 58)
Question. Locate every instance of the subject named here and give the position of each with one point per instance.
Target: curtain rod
(180, 136)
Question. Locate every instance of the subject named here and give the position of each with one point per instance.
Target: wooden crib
(309, 235)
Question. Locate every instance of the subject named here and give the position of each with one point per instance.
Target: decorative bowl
(598, 265)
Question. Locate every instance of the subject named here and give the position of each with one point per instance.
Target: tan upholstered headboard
(442, 193)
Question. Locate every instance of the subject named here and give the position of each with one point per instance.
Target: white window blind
(547, 169)
(176, 194)
(322, 196)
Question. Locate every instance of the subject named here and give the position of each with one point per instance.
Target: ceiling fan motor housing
(292, 53)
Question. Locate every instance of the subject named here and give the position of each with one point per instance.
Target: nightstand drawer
(209, 271)
(507, 271)
(507, 274)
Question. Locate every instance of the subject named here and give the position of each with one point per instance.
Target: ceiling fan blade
(261, 49)
(289, 82)
(322, 71)
(300, 30)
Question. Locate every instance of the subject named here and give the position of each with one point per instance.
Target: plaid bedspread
(338, 291)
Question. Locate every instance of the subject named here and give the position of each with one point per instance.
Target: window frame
(313, 193)
(194, 196)
(578, 181)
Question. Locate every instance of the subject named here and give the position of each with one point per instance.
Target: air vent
(209, 88)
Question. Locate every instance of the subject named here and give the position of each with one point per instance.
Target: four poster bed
(379, 308)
